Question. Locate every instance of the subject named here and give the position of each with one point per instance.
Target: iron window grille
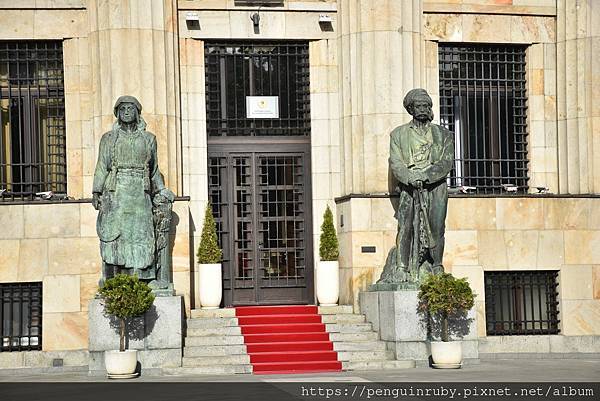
(32, 119)
(237, 70)
(21, 316)
(483, 100)
(521, 303)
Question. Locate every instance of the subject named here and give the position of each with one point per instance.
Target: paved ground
(514, 370)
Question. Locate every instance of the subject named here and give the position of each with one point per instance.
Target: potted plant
(442, 298)
(124, 297)
(209, 259)
(328, 271)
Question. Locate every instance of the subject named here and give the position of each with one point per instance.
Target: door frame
(275, 145)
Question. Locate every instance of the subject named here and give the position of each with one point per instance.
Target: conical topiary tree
(328, 247)
(208, 250)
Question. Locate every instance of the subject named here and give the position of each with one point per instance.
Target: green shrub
(208, 250)
(125, 297)
(328, 247)
(444, 295)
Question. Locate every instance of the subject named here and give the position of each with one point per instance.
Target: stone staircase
(215, 345)
(357, 344)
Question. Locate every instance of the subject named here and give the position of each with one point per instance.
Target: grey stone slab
(45, 358)
(369, 306)
(214, 340)
(103, 330)
(214, 331)
(216, 360)
(348, 328)
(415, 350)
(160, 358)
(163, 323)
(215, 350)
(470, 349)
(212, 322)
(574, 344)
(11, 359)
(364, 355)
(332, 310)
(514, 344)
(360, 346)
(364, 336)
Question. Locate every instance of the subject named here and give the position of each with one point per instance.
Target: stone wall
(483, 234)
(56, 244)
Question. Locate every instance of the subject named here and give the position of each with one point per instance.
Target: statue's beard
(425, 118)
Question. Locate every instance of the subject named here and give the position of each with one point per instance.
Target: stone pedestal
(158, 335)
(394, 315)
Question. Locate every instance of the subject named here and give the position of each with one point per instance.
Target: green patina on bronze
(421, 156)
(134, 205)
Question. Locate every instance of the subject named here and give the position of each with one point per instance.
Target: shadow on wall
(136, 328)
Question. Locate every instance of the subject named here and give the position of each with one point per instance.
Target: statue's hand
(96, 200)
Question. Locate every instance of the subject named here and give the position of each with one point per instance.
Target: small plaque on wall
(262, 106)
(368, 249)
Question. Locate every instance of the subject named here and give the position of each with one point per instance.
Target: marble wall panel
(65, 331)
(60, 293)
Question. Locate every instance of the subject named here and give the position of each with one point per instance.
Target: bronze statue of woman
(126, 180)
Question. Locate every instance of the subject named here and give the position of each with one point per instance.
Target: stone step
(359, 346)
(352, 337)
(209, 370)
(334, 310)
(201, 323)
(377, 365)
(213, 340)
(189, 362)
(212, 313)
(349, 328)
(214, 331)
(343, 318)
(365, 355)
(214, 350)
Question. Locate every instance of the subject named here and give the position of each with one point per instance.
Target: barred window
(21, 316)
(523, 302)
(32, 119)
(483, 100)
(237, 70)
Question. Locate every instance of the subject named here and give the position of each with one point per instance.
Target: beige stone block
(346, 294)
(582, 247)
(576, 283)
(444, 27)
(580, 317)
(16, 24)
(33, 260)
(9, 260)
(550, 108)
(527, 29)
(382, 214)
(362, 238)
(61, 294)
(74, 255)
(481, 322)
(536, 82)
(471, 214)
(461, 248)
(536, 107)
(65, 24)
(300, 25)
(519, 213)
(182, 284)
(88, 289)
(596, 281)
(486, 28)
(567, 214)
(65, 331)
(474, 275)
(550, 82)
(551, 135)
(360, 214)
(345, 247)
(537, 134)
(88, 220)
(535, 56)
(492, 250)
(51, 220)
(11, 221)
(551, 249)
(362, 278)
(521, 249)
(182, 255)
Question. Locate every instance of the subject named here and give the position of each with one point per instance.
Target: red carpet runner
(286, 339)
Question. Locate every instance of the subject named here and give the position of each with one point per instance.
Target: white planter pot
(328, 282)
(120, 363)
(446, 354)
(210, 285)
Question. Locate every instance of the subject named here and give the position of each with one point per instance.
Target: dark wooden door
(262, 204)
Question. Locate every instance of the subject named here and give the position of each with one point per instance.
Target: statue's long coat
(127, 176)
(435, 194)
